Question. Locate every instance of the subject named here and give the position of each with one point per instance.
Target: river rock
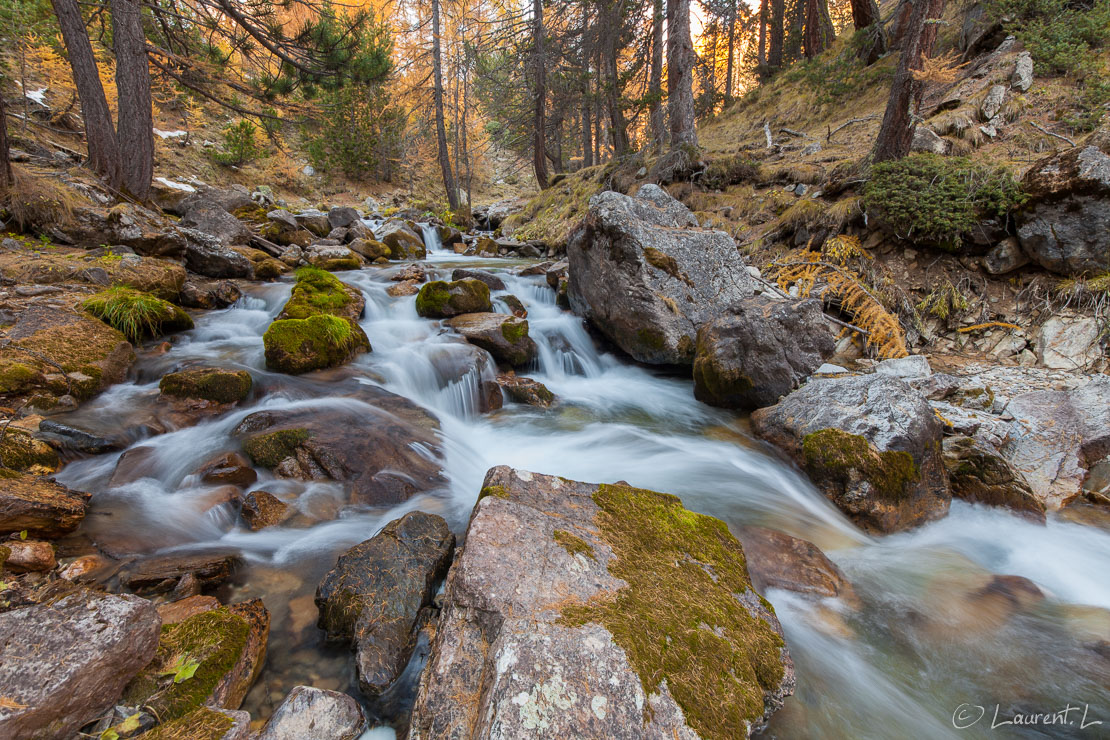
(442, 300)
(758, 351)
(228, 646)
(449, 235)
(314, 713)
(494, 282)
(373, 595)
(63, 664)
(208, 256)
(410, 273)
(1056, 437)
(1064, 223)
(386, 462)
(371, 249)
(979, 474)
(569, 598)
(180, 610)
(332, 257)
(871, 443)
(340, 217)
(164, 572)
(1069, 343)
(314, 220)
(525, 390)
(282, 228)
(209, 294)
(28, 555)
(263, 509)
(647, 278)
(205, 723)
(399, 290)
(503, 336)
(230, 199)
(777, 560)
(218, 223)
(208, 384)
(403, 242)
(229, 468)
(40, 506)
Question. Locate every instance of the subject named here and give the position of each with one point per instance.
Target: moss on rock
(833, 453)
(573, 545)
(316, 292)
(297, 346)
(268, 450)
(688, 615)
(20, 451)
(439, 299)
(207, 383)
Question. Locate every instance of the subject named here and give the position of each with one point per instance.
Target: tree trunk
(731, 51)
(587, 125)
(680, 69)
(441, 128)
(539, 157)
(896, 132)
(865, 15)
(899, 23)
(819, 31)
(761, 58)
(100, 134)
(658, 116)
(778, 19)
(611, 31)
(6, 178)
(135, 131)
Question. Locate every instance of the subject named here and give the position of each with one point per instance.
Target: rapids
(899, 666)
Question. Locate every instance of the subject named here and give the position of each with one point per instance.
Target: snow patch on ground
(175, 185)
(171, 134)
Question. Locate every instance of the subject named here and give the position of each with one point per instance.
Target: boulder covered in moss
(207, 384)
(23, 452)
(1064, 224)
(602, 611)
(373, 596)
(369, 248)
(92, 354)
(442, 300)
(298, 346)
(317, 291)
(393, 456)
(871, 443)
(981, 475)
(403, 242)
(503, 336)
(204, 723)
(648, 278)
(758, 351)
(39, 505)
(65, 663)
(222, 648)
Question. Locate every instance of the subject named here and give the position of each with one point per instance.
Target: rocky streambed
(460, 527)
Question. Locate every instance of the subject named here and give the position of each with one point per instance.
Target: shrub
(937, 200)
(725, 171)
(136, 314)
(360, 135)
(240, 145)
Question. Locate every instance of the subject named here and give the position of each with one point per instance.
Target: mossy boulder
(442, 300)
(21, 451)
(503, 336)
(39, 505)
(871, 443)
(204, 723)
(317, 291)
(208, 384)
(224, 647)
(605, 595)
(369, 248)
(403, 242)
(296, 346)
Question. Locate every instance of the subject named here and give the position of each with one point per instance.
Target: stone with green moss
(441, 300)
(317, 291)
(208, 384)
(269, 449)
(620, 608)
(21, 451)
(503, 336)
(203, 723)
(298, 346)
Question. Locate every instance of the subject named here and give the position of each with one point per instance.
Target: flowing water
(914, 651)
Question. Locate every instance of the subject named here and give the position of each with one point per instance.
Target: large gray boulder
(228, 199)
(871, 443)
(648, 278)
(206, 255)
(373, 596)
(1063, 226)
(759, 351)
(64, 664)
(217, 223)
(308, 712)
(578, 610)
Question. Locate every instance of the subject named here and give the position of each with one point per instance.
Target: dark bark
(611, 26)
(865, 18)
(896, 132)
(539, 157)
(761, 58)
(899, 22)
(100, 134)
(658, 116)
(441, 128)
(819, 32)
(587, 125)
(6, 178)
(680, 75)
(778, 20)
(135, 130)
(731, 52)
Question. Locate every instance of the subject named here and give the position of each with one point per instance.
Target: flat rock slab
(64, 664)
(557, 581)
(163, 572)
(40, 506)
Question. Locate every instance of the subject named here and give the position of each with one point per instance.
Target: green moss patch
(573, 545)
(662, 261)
(137, 315)
(439, 299)
(20, 451)
(268, 450)
(514, 330)
(316, 292)
(680, 618)
(299, 345)
(213, 640)
(832, 453)
(207, 383)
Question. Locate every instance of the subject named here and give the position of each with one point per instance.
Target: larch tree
(539, 72)
(680, 75)
(441, 126)
(865, 18)
(896, 132)
(135, 130)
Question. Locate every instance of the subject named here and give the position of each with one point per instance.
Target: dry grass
(39, 199)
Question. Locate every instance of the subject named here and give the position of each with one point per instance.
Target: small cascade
(432, 242)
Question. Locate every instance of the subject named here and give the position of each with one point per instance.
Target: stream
(917, 655)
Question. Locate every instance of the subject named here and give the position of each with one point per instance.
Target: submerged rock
(758, 351)
(164, 572)
(647, 278)
(442, 300)
(308, 713)
(375, 592)
(598, 611)
(65, 663)
(503, 336)
(40, 506)
(209, 294)
(777, 560)
(871, 443)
